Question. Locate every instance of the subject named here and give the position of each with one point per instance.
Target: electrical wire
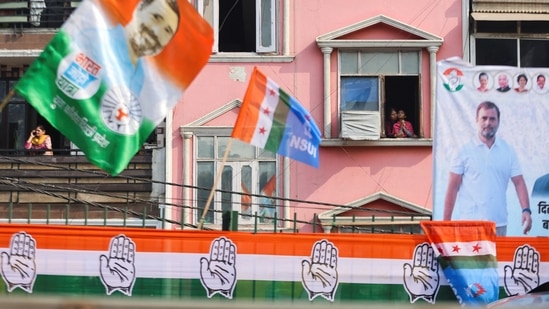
(47, 187)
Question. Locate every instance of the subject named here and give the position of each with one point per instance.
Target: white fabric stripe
(249, 267)
(265, 121)
(482, 247)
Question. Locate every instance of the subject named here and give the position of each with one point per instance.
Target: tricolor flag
(271, 119)
(467, 255)
(113, 72)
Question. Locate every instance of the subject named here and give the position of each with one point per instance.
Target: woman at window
(389, 123)
(39, 142)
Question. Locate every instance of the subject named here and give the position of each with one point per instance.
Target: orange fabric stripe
(119, 11)
(98, 238)
(248, 116)
(189, 50)
(146, 240)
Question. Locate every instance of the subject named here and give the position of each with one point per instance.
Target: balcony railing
(35, 13)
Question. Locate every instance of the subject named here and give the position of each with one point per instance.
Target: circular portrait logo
(539, 83)
(503, 82)
(452, 79)
(121, 111)
(522, 83)
(483, 82)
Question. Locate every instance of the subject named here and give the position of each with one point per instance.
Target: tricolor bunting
(271, 119)
(113, 72)
(165, 265)
(466, 252)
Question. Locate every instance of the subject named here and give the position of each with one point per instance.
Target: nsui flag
(466, 251)
(114, 70)
(271, 119)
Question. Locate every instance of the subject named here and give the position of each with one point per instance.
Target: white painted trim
(376, 20)
(168, 168)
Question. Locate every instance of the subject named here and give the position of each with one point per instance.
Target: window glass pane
(266, 23)
(239, 149)
(205, 147)
(376, 63)
(534, 27)
(16, 96)
(17, 131)
(3, 93)
(349, 62)
(534, 53)
(359, 94)
(246, 183)
(204, 182)
(3, 90)
(267, 185)
(496, 52)
(227, 187)
(497, 26)
(266, 154)
(410, 62)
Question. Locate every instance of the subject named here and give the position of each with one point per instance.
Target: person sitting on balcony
(39, 142)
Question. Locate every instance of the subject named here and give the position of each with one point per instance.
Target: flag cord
(6, 99)
(219, 172)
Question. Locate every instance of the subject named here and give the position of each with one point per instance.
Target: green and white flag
(112, 73)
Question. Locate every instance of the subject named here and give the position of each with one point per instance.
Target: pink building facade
(349, 63)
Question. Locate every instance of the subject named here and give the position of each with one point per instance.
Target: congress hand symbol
(319, 274)
(218, 274)
(421, 280)
(19, 266)
(118, 270)
(523, 276)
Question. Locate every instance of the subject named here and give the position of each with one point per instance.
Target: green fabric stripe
(279, 122)
(468, 262)
(244, 290)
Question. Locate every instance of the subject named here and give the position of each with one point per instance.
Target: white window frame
(213, 13)
(517, 37)
(243, 223)
(331, 43)
(369, 124)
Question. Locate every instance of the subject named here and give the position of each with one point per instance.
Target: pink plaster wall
(346, 173)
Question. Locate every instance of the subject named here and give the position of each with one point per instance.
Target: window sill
(249, 57)
(337, 142)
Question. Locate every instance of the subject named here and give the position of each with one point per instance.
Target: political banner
(490, 159)
(113, 72)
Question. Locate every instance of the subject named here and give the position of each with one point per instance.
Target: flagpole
(6, 99)
(219, 172)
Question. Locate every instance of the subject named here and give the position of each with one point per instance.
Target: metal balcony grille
(35, 13)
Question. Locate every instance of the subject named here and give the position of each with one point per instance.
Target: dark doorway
(402, 92)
